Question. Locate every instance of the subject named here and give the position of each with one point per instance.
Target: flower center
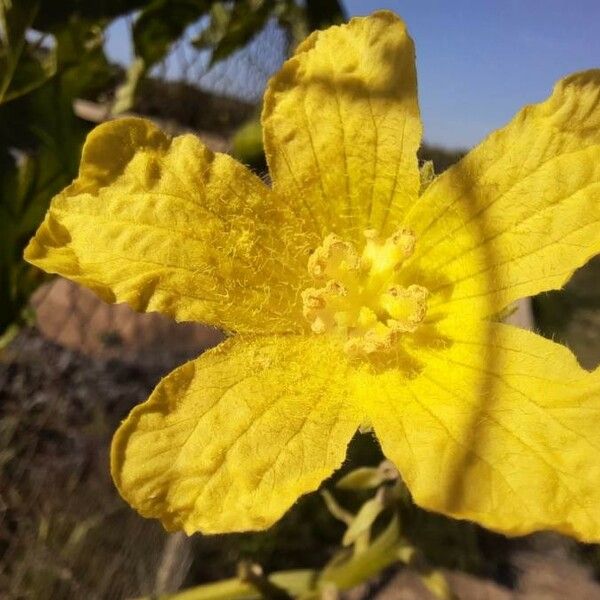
(361, 296)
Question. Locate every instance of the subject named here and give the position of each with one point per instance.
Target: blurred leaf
(335, 509)
(365, 478)
(45, 115)
(17, 279)
(43, 125)
(292, 17)
(347, 570)
(295, 583)
(362, 523)
(16, 17)
(163, 22)
(40, 145)
(23, 66)
(32, 70)
(23, 201)
(54, 14)
(232, 26)
(323, 13)
(160, 24)
(213, 33)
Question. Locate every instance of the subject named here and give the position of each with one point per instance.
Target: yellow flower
(353, 300)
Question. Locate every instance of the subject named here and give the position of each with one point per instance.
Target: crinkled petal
(521, 211)
(229, 441)
(166, 225)
(499, 426)
(341, 126)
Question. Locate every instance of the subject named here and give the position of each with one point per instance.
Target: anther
(314, 302)
(333, 257)
(335, 288)
(362, 298)
(405, 240)
(406, 306)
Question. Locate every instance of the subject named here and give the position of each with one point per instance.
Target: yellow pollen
(363, 297)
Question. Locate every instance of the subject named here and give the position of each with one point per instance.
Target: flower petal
(502, 427)
(166, 225)
(341, 126)
(229, 441)
(521, 211)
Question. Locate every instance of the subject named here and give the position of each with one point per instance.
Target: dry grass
(64, 532)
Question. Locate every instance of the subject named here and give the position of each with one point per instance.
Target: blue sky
(479, 61)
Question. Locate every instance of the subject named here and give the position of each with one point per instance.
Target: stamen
(362, 297)
(383, 255)
(332, 258)
(406, 306)
(404, 240)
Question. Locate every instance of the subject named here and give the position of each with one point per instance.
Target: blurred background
(71, 367)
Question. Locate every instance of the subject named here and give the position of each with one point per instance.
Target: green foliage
(40, 136)
(230, 27)
(23, 66)
(53, 14)
(161, 23)
(233, 25)
(42, 75)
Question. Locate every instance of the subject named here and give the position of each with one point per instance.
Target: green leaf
(232, 26)
(41, 141)
(293, 18)
(82, 64)
(160, 24)
(213, 33)
(348, 570)
(163, 22)
(335, 509)
(17, 279)
(23, 66)
(32, 70)
(15, 19)
(40, 137)
(54, 14)
(362, 523)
